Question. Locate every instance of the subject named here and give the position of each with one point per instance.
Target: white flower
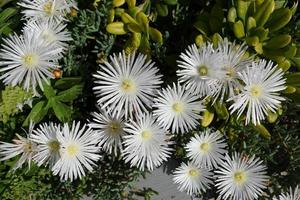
(21, 146)
(263, 81)
(110, 129)
(48, 146)
(51, 32)
(46, 9)
(241, 178)
(292, 195)
(146, 144)
(24, 59)
(207, 149)
(199, 69)
(192, 178)
(78, 151)
(127, 83)
(234, 62)
(177, 109)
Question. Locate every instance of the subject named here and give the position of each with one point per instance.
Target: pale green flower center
(48, 7)
(178, 107)
(128, 86)
(240, 177)
(202, 70)
(114, 128)
(30, 60)
(28, 147)
(193, 172)
(48, 36)
(72, 150)
(54, 146)
(146, 135)
(256, 91)
(230, 72)
(205, 146)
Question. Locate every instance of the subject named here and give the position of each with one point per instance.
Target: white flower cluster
(30, 58)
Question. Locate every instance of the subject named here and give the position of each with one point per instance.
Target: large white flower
(263, 82)
(177, 109)
(199, 69)
(292, 195)
(192, 178)
(127, 83)
(48, 146)
(147, 143)
(234, 62)
(51, 32)
(46, 9)
(241, 178)
(110, 129)
(207, 149)
(27, 60)
(79, 150)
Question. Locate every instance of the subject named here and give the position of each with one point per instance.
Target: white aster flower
(110, 129)
(147, 143)
(207, 149)
(46, 9)
(199, 69)
(292, 195)
(241, 178)
(27, 60)
(234, 62)
(127, 83)
(48, 146)
(263, 82)
(177, 109)
(51, 32)
(78, 151)
(192, 178)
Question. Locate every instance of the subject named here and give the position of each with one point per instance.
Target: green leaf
(62, 111)
(6, 14)
(37, 113)
(49, 92)
(70, 94)
(263, 131)
(67, 82)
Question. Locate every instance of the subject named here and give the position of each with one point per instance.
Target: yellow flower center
(256, 91)
(193, 172)
(146, 135)
(230, 72)
(240, 177)
(202, 70)
(28, 147)
(178, 107)
(72, 150)
(30, 60)
(48, 7)
(128, 86)
(114, 127)
(205, 146)
(54, 146)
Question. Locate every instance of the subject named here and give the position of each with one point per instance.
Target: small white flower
(177, 109)
(79, 150)
(241, 178)
(207, 149)
(234, 62)
(263, 82)
(127, 83)
(51, 32)
(192, 178)
(48, 146)
(27, 60)
(292, 195)
(110, 129)
(147, 143)
(46, 9)
(199, 69)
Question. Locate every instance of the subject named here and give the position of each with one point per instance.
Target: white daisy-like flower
(46, 9)
(21, 146)
(292, 195)
(177, 109)
(234, 62)
(263, 82)
(27, 60)
(207, 149)
(199, 69)
(51, 32)
(110, 129)
(146, 144)
(48, 146)
(241, 178)
(192, 178)
(79, 150)
(127, 83)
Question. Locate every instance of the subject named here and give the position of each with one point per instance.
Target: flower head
(263, 82)
(127, 83)
(206, 149)
(292, 195)
(79, 150)
(241, 178)
(192, 179)
(146, 144)
(177, 109)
